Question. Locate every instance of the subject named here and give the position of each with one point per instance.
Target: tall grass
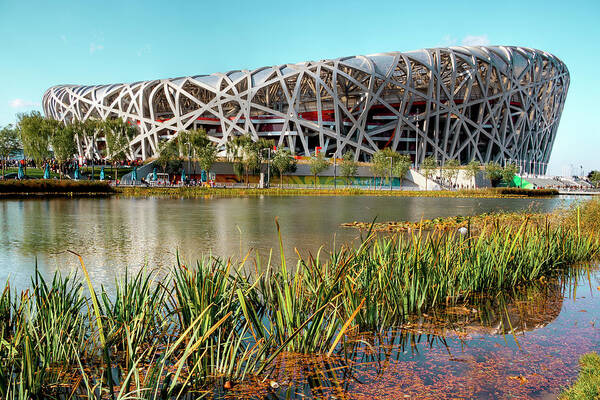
(215, 322)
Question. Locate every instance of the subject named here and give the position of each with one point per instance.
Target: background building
(493, 103)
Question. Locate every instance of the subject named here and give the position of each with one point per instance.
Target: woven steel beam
(492, 103)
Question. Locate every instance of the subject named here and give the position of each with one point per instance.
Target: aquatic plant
(163, 334)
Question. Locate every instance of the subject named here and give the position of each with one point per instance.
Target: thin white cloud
(448, 40)
(473, 40)
(63, 38)
(469, 40)
(144, 50)
(20, 103)
(95, 47)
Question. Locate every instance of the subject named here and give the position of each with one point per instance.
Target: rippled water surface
(114, 233)
(522, 344)
(519, 345)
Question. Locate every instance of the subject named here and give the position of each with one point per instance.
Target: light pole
(417, 142)
(268, 166)
(334, 171)
(92, 158)
(391, 164)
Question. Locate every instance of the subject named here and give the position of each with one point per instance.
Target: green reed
(170, 334)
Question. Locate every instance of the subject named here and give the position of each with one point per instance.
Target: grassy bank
(588, 383)
(52, 186)
(203, 191)
(212, 324)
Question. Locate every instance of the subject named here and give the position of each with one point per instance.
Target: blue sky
(83, 42)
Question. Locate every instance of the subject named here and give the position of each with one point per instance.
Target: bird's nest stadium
(492, 103)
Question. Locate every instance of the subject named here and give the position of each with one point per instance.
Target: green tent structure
(519, 182)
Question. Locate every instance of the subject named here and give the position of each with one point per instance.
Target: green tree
(86, 134)
(35, 134)
(167, 151)
(118, 135)
(207, 156)
(594, 177)
(385, 162)
(196, 144)
(63, 144)
(428, 166)
(348, 167)
(471, 171)
(401, 166)
(318, 164)
(283, 161)
(246, 154)
(493, 171)
(451, 170)
(9, 144)
(508, 173)
(245, 159)
(380, 164)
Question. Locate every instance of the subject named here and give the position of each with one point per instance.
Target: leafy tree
(207, 156)
(283, 161)
(401, 166)
(594, 177)
(9, 144)
(493, 171)
(380, 164)
(245, 159)
(508, 173)
(348, 167)
(451, 170)
(428, 166)
(167, 151)
(246, 154)
(35, 134)
(197, 144)
(318, 164)
(86, 134)
(118, 134)
(63, 144)
(472, 169)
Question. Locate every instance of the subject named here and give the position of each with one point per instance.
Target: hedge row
(527, 192)
(54, 186)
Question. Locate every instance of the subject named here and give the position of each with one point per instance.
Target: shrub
(54, 186)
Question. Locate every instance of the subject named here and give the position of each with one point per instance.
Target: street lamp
(268, 166)
(334, 171)
(391, 164)
(417, 142)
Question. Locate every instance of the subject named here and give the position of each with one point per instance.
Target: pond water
(116, 233)
(521, 345)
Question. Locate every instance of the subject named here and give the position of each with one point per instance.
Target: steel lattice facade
(486, 103)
